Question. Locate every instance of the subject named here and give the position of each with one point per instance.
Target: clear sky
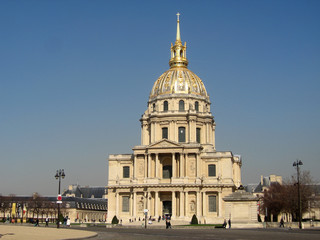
(75, 77)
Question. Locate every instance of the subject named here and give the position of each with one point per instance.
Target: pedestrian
(47, 221)
(229, 222)
(37, 223)
(68, 222)
(225, 224)
(167, 223)
(281, 223)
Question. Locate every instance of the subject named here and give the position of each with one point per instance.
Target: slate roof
(85, 192)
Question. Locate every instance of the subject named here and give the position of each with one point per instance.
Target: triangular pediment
(165, 143)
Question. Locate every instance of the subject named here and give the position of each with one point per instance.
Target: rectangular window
(212, 170)
(198, 135)
(182, 134)
(125, 204)
(212, 203)
(165, 133)
(126, 172)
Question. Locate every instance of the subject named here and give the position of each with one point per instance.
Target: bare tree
(4, 205)
(284, 198)
(273, 200)
(36, 203)
(291, 194)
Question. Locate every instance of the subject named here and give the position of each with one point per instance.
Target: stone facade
(176, 171)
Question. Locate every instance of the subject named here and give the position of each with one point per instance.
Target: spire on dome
(178, 51)
(178, 38)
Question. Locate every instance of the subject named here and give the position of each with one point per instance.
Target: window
(182, 134)
(165, 106)
(212, 170)
(212, 203)
(167, 171)
(165, 133)
(126, 173)
(181, 105)
(154, 107)
(196, 106)
(125, 204)
(198, 135)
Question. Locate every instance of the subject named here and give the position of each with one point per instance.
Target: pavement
(18, 232)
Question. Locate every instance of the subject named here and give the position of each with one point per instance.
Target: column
(181, 165)
(157, 166)
(135, 167)
(174, 205)
(156, 207)
(153, 132)
(207, 133)
(117, 204)
(173, 165)
(149, 203)
(181, 204)
(198, 205)
(220, 204)
(134, 204)
(198, 165)
(186, 205)
(131, 204)
(149, 165)
(203, 204)
(145, 165)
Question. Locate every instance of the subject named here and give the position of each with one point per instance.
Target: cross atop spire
(178, 38)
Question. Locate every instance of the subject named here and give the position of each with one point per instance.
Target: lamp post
(59, 174)
(297, 164)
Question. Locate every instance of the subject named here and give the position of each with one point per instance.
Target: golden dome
(178, 79)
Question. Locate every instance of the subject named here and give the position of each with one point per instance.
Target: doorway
(167, 208)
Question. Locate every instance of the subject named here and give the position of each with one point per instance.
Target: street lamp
(297, 164)
(60, 174)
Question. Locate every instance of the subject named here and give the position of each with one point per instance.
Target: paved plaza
(203, 234)
(16, 232)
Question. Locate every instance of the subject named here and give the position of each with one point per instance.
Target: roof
(85, 192)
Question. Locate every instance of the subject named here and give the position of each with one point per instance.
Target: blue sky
(75, 77)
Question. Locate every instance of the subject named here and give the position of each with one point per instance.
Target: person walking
(229, 222)
(225, 224)
(281, 223)
(68, 222)
(47, 221)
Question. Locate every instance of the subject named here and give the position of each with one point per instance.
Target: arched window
(167, 171)
(165, 106)
(125, 204)
(212, 203)
(181, 105)
(198, 132)
(212, 170)
(196, 106)
(165, 133)
(126, 172)
(182, 134)
(154, 107)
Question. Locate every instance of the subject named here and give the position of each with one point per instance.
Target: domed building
(176, 171)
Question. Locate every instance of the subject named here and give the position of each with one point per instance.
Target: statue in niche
(140, 206)
(141, 168)
(192, 206)
(192, 167)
